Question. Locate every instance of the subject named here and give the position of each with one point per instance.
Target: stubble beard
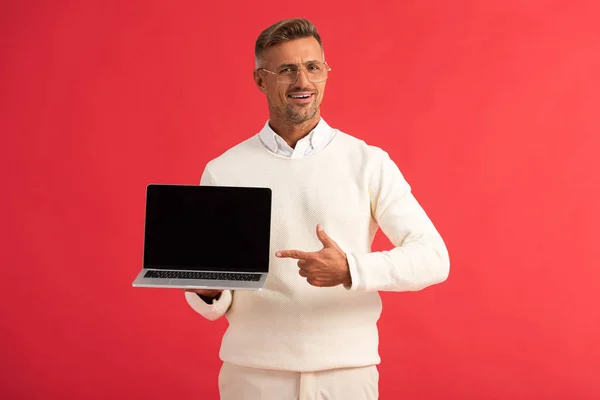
(296, 115)
(299, 115)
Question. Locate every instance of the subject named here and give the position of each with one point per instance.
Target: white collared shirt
(310, 144)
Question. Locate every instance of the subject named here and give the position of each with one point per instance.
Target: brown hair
(283, 31)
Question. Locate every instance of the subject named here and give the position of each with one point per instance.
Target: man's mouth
(301, 96)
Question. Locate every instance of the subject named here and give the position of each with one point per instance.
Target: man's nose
(302, 79)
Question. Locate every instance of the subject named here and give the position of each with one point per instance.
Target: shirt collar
(318, 137)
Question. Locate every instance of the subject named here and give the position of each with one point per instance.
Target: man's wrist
(348, 281)
(349, 275)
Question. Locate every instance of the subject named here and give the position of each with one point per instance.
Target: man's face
(284, 104)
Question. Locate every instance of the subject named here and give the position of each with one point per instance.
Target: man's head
(290, 70)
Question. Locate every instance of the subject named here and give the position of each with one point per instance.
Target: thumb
(324, 238)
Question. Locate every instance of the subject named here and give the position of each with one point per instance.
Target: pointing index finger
(296, 254)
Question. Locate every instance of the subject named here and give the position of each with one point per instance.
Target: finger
(301, 263)
(303, 273)
(313, 281)
(297, 254)
(324, 237)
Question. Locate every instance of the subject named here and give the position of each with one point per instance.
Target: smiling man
(311, 333)
(294, 98)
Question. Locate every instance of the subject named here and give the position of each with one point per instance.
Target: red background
(491, 110)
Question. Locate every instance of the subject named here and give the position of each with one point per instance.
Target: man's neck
(293, 133)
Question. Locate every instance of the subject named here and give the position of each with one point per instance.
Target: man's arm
(420, 257)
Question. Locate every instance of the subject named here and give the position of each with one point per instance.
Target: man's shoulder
(237, 152)
(360, 146)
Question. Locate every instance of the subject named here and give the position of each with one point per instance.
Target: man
(311, 332)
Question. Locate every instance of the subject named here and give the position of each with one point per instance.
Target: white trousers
(242, 383)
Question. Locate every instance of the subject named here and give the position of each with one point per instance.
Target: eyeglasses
(287, 74)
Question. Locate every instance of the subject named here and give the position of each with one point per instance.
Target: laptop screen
(207, 228)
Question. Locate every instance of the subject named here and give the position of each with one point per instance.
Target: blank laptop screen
(207, 228)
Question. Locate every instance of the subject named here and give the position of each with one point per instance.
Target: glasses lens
(315, 72)
(288, 75)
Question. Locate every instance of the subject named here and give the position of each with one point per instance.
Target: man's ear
(260, 81)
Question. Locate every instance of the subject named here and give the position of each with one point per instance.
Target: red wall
(492, 112)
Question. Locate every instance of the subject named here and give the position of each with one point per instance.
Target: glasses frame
(300, 68)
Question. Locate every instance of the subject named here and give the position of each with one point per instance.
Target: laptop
(206, 237)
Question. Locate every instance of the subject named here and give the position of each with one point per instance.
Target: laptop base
(210, 284)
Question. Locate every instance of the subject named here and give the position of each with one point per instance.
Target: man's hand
(327, 267)
(207, 293)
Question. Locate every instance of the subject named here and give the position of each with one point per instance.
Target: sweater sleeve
(212, 311)
(419, 257)
(218, 308)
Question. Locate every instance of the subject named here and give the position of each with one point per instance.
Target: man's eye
(314, 67)
(285, 70)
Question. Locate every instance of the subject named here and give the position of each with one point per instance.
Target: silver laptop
(211, 237)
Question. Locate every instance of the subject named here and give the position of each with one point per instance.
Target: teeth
(302, 96)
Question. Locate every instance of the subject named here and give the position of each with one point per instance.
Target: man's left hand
(327, 267)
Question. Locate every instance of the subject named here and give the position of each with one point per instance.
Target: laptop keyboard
(225, 276)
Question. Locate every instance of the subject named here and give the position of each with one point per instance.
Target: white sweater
(351, 189)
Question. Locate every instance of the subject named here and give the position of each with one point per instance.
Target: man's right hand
(206, 292)
(208, 295)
